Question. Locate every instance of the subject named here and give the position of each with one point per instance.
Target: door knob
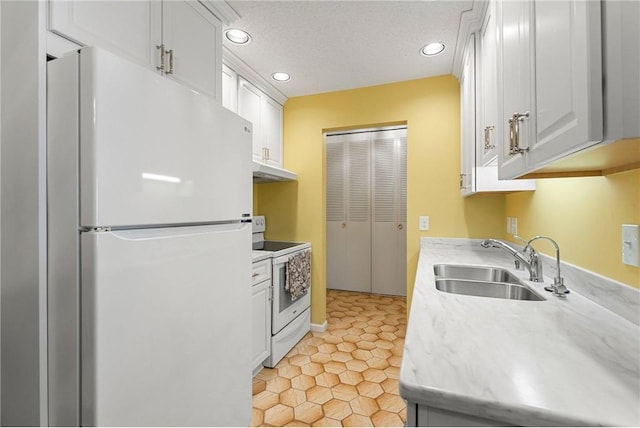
(399, 227)
(344, 225)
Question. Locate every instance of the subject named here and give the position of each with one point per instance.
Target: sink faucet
(529, 257)
(558, 288)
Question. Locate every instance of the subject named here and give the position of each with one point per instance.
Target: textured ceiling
(333, 45)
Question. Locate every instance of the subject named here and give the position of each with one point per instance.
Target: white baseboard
(319, 328)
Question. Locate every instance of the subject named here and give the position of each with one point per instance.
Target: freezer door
(155, 152)
(165, 334)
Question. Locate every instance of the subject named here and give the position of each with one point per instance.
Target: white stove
(290, 319)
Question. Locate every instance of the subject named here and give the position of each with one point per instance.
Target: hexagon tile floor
(346, 376)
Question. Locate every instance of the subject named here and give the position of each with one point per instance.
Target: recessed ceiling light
(432, 49)
(281, 77)
(237, 36)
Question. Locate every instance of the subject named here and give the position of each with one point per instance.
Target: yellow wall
(430, 108)
(584, 215)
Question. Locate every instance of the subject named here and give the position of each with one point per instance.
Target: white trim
(221, 9)
(470, 21)
(58, 46)
(232, 61)
(319, 328)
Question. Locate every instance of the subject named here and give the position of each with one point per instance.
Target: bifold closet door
(366, 211)
(348, 212)
(389, 212)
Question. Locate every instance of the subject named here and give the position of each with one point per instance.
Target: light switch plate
(424, 222)
(630, 238)
(514, 225)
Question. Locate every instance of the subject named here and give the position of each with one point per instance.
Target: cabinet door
(127, 28)
(261, 323)
(271, 115)
(348, 212)
(388, 212)
(229, 89)
(468, 120)
(568, 74)
(249, 103)
(194, 36)
(487, 89)
(514, 67)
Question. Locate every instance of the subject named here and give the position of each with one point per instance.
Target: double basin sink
(483, 282)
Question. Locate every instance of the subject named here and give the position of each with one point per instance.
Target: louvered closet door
(348, 213)
(389, 212)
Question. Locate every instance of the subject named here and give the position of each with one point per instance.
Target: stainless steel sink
(477, 273)
(500, 290)
(483, 282)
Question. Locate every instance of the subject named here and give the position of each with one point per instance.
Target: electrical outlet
(630, 238)
(514, 225)
(508, 224)
(424, 222)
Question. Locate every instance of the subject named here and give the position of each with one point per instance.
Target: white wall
(22, 214)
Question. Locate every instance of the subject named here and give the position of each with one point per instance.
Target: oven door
(285, 310)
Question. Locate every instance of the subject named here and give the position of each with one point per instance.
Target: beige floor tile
(319, 394)
(357, 421)
(303, 382)
(327, 422)
(308, 412)
(390, 402)
(344, 392)
(345, 376)
(386, 419)
(336, 409)
(327, 379)
(292, 397)
(351, 378)
(364, 405)
(278, 415)
(370, 389)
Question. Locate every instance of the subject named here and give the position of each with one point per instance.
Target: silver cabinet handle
(462, 186)
(170, 53)
(161, 66)
(399, 227)
(487, 137)
(514, 133)
(343, 225)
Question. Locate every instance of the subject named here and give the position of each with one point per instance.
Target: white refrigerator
(149, 249)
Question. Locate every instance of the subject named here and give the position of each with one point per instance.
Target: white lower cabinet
(419, 415)
(260, 314)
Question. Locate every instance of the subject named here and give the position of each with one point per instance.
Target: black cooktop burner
(276, 245)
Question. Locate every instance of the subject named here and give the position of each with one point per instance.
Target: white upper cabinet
(488, 114)
(480, 106)
(127, 28)
(272, 130)
(552, 82)
(266, 116)
(229, 89)
(178, 38)
(468, 119)
(191, 36)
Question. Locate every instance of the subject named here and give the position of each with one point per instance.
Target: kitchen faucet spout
(529, 257)
(558, 288)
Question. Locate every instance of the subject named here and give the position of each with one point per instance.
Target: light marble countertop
(553, 362)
